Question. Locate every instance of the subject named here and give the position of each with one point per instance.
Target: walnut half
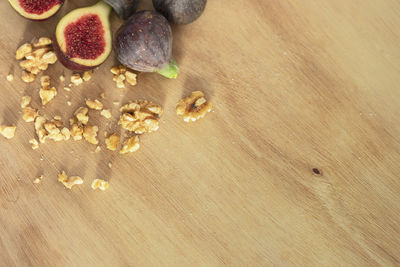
(193, 107)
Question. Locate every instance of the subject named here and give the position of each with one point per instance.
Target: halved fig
(144, 43)
(83, 37)
(124, 8)
(36, 10)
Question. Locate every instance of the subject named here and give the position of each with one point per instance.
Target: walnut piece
(106, 113)
(81, 115)
(25, 101)
(47, 94)
(193, 107)
(10, 77)
(35, 57)
(76, 132)
(53, 130)
(100, 184)
(98, 149)
(7, 131)
(69, 182)
(34, 143)
(62, 78)
(29, 114)
(87, 75)
(37, 179)
(90, 134)
(121, 74)
(112, 142)
(140, 116)
(76, 79)
(130, 145)
(94, 104)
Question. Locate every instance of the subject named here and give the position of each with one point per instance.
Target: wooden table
(299, 163)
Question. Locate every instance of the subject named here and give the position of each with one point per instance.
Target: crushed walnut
(121, 74)
(102, 95)
(29, 114)
(35, 57)
(76, 132)
(34, 143)
(94, 104)
(140, 116)
(46, 93)
(53, 130)
(100, 184)
(7, 131)
(25, 101)
(106, 113)
(193, 107)
(130, 145)
(90, 134)
(10, 77)
(87, 75)
(37, 179)
(69, 182)
(80, 115)
(62, 78)
(76, 79)
(112, 142)
(98, 149)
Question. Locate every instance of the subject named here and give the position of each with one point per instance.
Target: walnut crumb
(25, 101)
(29, 114)
(106, 113)
(76, 79)
(67, 89)
(69, 182)
(27, 77)
(37, 179)
(34, 143)
(76, 132)
(62, 78)
(7, 131)
(193, 107)
(81, 115)
(87, 75)
(69, 103)
(10, 77)
(102, 95)
(109, 165)
(47, 94)
(100, 184)
(130, 145)
(140, 116)
(90, 134)
(112, 142)
(98, 149)
(94, 104)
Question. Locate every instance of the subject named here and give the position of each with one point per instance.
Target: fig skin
(35, 17)
(144, 43)
(180, 11)
(124, 8)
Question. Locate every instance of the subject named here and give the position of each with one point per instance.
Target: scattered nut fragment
(34, 143)
(81, 115)
(69, 182)
(109, 165)
(100, 184)
(112, 142)
(45, 81)
(76, 79)
(25, 101)
(102, 95)
(140, 116)
(76, 132)
(37, 179)
(39, 127)
(94, 104)
(69, 103)
(116, 103)
(130, 145)
(67, 89)
(121, 74)
(90, 134)
(29, 114)
(36, 58)
(66, 133)
(193, 107)
(62, 78)
(27, 77)
(98, 149)
(47, 94)
(10, 77)
(7, 131)
(87, 75)
(43, 41)
(106, 113)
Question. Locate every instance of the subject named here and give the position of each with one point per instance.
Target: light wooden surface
(296, 85)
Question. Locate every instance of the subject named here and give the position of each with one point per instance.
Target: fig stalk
(169, 70)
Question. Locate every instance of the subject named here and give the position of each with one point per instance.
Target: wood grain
(296, 86)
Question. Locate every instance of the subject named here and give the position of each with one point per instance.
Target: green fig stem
(169, 70)
(103, 5)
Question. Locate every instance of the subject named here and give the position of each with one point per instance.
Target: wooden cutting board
(299, 163)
